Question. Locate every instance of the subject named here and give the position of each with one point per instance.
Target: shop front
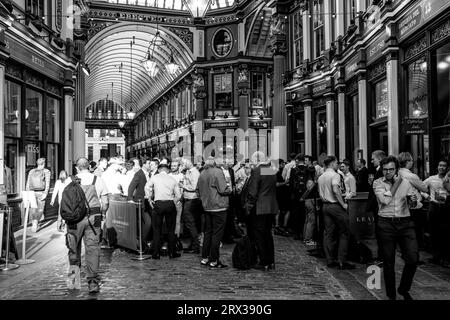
(425, 71)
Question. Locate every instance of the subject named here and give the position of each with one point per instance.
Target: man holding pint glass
(395, 196)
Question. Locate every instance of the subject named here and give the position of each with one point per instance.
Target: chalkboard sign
(362, 223)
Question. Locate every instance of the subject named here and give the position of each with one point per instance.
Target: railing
(106, 116)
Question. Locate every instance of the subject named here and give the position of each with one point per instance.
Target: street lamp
(121, 124)
(131, 114)
(197, 8)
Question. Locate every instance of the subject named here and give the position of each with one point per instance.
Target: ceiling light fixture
(197, 8)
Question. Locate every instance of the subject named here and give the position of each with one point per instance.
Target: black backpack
(74, 205)
(244, 254)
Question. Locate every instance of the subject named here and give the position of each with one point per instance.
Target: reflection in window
(298, 39)
(318, 23)
(257, 85)
(13, 101)
(33, 115)
(417, 89)
(441, 113)
(11, 157)
(52, 118)
(381, 99)
(52, 161)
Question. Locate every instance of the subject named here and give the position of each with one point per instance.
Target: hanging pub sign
(415, 126)
(59, 15)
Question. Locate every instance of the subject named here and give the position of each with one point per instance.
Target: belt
(395, 219)
(327, 202)
(40, 190)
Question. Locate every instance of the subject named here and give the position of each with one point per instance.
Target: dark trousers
(439, 230)
(335, 217)
(391, 233)
(230, 226)
(215, 226)
(164, 210)
(297, 217)
(191, 219)
(146, 223)
(259, 229)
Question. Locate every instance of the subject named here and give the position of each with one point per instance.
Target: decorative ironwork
(50, 87)
(31, 78)
(416, 48)
(96, 27)
(319, 102)
(185, 35)
(441, 32)
(377, 70)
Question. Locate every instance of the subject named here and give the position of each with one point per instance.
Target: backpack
(74, 205)
(297, 180)
(37, 180)
(244, 254)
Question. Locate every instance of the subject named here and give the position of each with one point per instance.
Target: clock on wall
(222, 42)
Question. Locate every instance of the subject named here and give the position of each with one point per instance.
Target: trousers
(335, 217)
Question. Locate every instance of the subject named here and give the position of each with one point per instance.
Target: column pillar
(331, 136)
(306, 32)
(279, 118)
(327, 24)
(244, 91)
(362, 105)
(393, 115)
(79, 125)
(2, 120)
(340, 18)
(68, 122)
(308, 129)
(341, 123)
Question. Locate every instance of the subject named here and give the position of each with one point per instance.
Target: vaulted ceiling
(116, 69)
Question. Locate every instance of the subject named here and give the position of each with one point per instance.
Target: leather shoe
(174, 255)
(405, 294)
(333, 264)
(346, 266)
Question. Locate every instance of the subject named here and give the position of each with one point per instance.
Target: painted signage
(229, 124)
(350, 68)
(59, 15)
(419, 14)
(33, 60)
(416, 126)
(376, 48)
(319, 88)
(259, 124)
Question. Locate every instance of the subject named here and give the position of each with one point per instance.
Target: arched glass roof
(116, 69)
(172, 4)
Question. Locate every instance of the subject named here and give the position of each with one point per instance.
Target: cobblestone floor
(297, 276)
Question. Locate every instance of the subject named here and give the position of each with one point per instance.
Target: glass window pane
(32, 153)
(33, 115)
(257, 85)
(417, 89)
(381, 99)
(52, 120)
(52, 161)
(441, 110)
(13, 101)
(11, 157)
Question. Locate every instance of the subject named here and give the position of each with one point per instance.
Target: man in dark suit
(362, 176)
(262, 205)
(136, 192)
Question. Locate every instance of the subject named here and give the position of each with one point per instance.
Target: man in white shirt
(127, 177)
(101, 167)
(438, 213)
(164, 192)
(178, 176)
(349, 179)
(335, 215)
(395, 226)
(192, 209)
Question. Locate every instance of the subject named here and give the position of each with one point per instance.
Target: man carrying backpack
(39, 182)
(83, 204)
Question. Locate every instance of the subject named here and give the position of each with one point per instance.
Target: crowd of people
(216, 201)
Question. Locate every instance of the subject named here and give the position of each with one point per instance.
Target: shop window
(223, 91)
(381, 99)
(32, 153)
(417, 89)
(257, 85)
(52, 160)
(300, 125)
(33, 115)
(13, 101)
(298, 38)
(441, 113)
(321, 135)
(319, 29)
(11, 157)
(52, 119)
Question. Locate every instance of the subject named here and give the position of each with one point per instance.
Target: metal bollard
(24, 259)
(8, 266)
(141, 255)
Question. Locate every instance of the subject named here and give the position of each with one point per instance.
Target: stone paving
(297, 276)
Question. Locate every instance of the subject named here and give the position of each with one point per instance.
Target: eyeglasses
(389, 170)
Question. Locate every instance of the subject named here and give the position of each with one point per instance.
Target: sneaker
(72, 276)
(34, 226)
(204, 262)
(93, 287)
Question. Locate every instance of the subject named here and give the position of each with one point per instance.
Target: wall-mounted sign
(419, 14)
(259, 124)
(59, 15)
(350, 68)
(319, 88)
(375, 49)
(33, 60)
(416, 126)
(227, 124)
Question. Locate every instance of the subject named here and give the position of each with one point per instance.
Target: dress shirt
(326, 182)
(165, 187)
(287, 168)
(190, 183)
(125, 181)
(413, 178)
(393, 206)
(435, 183)
(350, 185)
